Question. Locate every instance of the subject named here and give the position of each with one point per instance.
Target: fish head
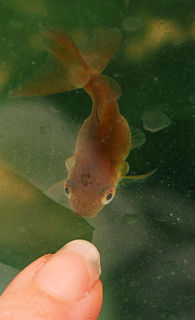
(89, 188)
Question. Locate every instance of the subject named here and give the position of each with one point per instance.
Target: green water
(146, 235)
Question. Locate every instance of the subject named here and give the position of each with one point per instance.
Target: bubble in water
(155, 120)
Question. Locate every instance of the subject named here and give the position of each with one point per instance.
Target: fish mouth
(86, 214)
(85, 209)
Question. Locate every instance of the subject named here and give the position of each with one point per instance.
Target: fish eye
(108, 196)
(66, 189)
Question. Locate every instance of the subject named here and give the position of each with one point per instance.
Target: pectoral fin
(124, 169)
(140, 176)
(56, 192)
(138, 138)
(70, 162)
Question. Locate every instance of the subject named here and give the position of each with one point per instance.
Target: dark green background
(146, 235)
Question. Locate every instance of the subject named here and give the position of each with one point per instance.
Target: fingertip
(64, 285)
(89, 307)
(71, 272)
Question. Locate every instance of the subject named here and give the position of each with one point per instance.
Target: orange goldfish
(104, 140)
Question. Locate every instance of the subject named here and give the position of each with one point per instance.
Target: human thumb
(61, 286)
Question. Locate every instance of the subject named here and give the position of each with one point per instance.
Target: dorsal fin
(111, 89)
(97, 51)
(102, 90)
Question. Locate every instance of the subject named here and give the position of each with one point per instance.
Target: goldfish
(104, 140)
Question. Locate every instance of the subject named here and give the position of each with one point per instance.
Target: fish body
(104, 139)
(97, 162)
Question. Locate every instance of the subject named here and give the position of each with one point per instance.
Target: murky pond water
(146, 235)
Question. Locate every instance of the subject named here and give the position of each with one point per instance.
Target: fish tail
(98, 50)
(68, 67)
(64, 69)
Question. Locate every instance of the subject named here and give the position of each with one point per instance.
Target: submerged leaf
(32, 224)
(155, 120)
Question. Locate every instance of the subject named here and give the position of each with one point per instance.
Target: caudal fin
(98, 51)
(68, 68)
(64, 69)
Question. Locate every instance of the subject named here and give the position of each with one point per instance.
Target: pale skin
(61, 286)
(104, 140)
